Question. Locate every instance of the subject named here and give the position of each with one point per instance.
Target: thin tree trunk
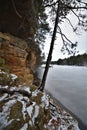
(42, 85)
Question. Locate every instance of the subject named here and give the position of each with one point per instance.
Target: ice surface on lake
(68, 84)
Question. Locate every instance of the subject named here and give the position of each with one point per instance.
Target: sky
(81, 38)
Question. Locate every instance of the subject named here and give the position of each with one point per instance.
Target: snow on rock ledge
(18, 112)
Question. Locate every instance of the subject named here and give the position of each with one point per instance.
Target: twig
(70, 23)
(50, 5)
(78, 17)
(64, 40)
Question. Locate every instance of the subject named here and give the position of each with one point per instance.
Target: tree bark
(42, 85)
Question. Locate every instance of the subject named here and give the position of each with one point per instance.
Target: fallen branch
(11, 92)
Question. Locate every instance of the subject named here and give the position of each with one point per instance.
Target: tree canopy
(78, 8)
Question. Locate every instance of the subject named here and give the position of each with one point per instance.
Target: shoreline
(81, 125)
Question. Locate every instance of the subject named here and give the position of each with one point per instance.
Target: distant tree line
(80, 60)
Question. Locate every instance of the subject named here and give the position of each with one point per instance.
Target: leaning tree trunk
(42, 85)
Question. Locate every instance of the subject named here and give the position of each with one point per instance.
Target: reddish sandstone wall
(15, 51)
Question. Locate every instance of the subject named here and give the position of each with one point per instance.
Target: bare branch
(13, 3)
(63, 40)
(83, 2)
(76, 15)
(50, 5)
(67, 43)
(81, 7)
(64, 35)
(80, 21)
(70, 23)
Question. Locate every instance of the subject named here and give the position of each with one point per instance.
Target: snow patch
(24, 127)
(30, 110)
(36, 113)
(45, 101)
(30, 123)
(4, 96)
(35, 93)
(5, 113)
(27, 88)
(22, 100)
(13, 76)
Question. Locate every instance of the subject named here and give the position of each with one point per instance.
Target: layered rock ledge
(15, 53)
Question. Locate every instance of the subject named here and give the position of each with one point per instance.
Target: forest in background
(79, 60)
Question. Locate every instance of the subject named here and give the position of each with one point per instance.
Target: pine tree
(61, 9)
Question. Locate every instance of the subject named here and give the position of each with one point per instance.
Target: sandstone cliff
(15, 52)
(18, 22)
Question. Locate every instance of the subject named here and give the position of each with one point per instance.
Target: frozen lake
(68, 84)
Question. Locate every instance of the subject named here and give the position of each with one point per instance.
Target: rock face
(15, 52)
(18, 17)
